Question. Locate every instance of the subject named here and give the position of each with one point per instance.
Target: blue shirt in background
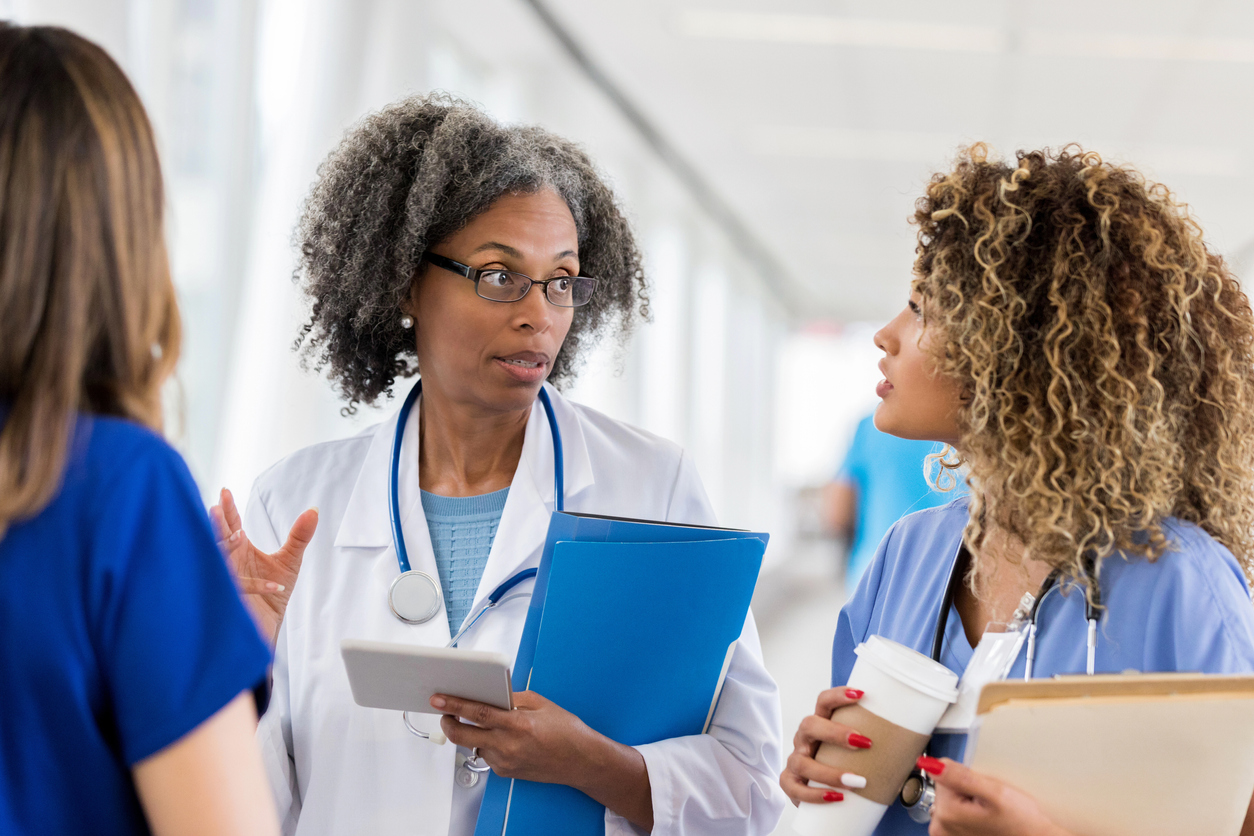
(888, 473)
(462, 530)
(1188, 611)
(121, 630)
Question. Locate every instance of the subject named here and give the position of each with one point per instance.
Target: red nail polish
(931, 765)
(853, 694)
(832, 795)
(859, 741)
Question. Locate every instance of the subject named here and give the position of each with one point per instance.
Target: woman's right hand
(265, 580)
(815, 730)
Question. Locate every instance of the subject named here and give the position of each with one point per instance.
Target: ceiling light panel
(833, 30)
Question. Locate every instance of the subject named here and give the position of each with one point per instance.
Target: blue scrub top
(1188, 611)
(121, 630)
(891, 480)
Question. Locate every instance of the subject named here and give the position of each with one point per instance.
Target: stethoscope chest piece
(469, 769)
(918, 796)
(465, 778)
(414, 597)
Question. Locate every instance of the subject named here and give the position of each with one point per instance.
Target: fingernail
(275, 587)
(853, 694)
(854, 782)
(859, 741)
(437, 702)
(832, 795)
(930, 765)
(234, 538)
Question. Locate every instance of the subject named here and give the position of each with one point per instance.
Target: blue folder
(631, 628)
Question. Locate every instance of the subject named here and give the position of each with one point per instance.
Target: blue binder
(631, 627)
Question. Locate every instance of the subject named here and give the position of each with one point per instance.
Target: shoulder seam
(1210, 586)
(310, 448)
(888, 536)
(679, 468)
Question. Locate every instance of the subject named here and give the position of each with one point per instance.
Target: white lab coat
(337, 768)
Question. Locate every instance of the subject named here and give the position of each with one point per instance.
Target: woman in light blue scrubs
(1089, 361)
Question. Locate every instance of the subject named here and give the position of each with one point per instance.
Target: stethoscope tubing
(559, 463)
(394, 477)
(394, 470)
(493, 600)
(1091, 614)
(402, 553)
(920, 809)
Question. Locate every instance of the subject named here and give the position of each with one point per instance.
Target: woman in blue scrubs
(1088, 360)
(126, 656)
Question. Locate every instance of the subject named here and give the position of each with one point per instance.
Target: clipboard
(1124, 754)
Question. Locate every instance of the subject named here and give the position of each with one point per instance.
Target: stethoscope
(919, 793)
(414, 596)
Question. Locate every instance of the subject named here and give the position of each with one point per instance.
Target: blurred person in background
(882, 479)
(126, 656)
(1090, 360)
(489, 259)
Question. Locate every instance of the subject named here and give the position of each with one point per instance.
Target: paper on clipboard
(1124, 755)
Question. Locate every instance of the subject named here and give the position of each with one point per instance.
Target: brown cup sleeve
(886, 765)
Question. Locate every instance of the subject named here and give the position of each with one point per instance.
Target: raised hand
(265, 580)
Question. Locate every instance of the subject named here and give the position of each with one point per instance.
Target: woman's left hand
(537, 741)
(541, 741)
(971, 804)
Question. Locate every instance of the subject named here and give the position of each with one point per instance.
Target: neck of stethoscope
(402, 419)
(559, 464)
(1092, 612)
(497, 597)
(919, 806)
(1091, 616)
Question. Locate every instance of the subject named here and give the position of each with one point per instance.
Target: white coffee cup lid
(910, 667)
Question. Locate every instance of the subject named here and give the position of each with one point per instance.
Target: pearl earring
(407, 321)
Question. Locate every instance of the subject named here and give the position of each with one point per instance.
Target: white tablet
(404, 677)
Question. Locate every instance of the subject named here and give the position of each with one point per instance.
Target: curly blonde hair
(1105, 355)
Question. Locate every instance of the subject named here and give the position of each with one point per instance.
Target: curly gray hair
(405, 179)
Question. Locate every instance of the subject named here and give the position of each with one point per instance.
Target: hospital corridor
(581, 417)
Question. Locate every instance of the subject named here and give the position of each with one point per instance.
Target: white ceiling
(819, 122)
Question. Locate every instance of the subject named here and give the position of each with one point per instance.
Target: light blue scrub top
(892, 477)
(1188, 611)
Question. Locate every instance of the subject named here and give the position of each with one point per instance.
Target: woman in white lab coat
(423, 221)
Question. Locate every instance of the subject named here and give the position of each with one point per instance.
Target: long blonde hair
(1106, 355)
(87, 307)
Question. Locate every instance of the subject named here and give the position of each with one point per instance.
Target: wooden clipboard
(1124, 754)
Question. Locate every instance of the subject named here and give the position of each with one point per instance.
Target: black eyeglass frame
(473, 273)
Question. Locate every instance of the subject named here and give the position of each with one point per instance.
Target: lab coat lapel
(367, 523)
(525, 520)
(367, 519)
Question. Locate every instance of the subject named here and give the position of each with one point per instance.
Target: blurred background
(769, 154)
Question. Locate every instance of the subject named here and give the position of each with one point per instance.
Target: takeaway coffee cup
(905, 695)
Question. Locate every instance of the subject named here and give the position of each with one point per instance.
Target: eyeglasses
(506, 286)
